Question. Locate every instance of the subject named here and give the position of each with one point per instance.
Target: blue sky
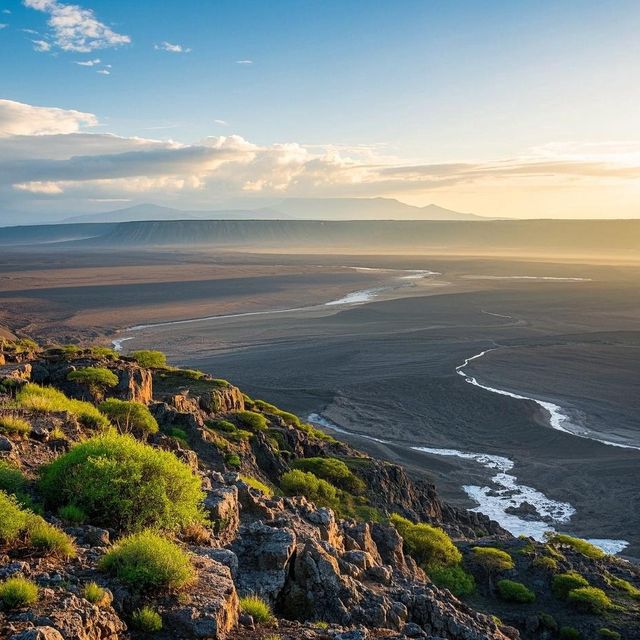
(385, 84)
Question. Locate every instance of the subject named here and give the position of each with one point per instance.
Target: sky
(500, 108)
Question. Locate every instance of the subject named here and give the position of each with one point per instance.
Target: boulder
(224, 510)
(213, 609)
(38, 633)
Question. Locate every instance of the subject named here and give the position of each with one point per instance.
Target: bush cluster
(122, 483)
(252, 420)
(579, 545)
(589, 599)
(146, 560)
(95, 378)
(454, 578)
(257, 608)
(512, 591)
(430, 546)
(334, 471)
(13, 519)
(18, 592)
(569, 633)
(146, 619)
(129, 416)
(149, 359)
(14, 425)
(563, 583)
(304, 483)
(49, 539)
(47, 400)
(12, 480)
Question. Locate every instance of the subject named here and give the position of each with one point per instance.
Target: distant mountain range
(288, 209)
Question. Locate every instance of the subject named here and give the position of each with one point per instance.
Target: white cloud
(88, 63)
(75, 28)
(104, 72)
(41, 45)
(31, 32)
(17, 118)
(49, 188)
(244, 61)
(7, 11)
(171, 48)
(223, 123)
(3, 25)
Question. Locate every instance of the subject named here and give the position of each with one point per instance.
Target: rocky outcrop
(222, 399)
(213, 607)
(134, 383)
(224, 512)
(15, 373)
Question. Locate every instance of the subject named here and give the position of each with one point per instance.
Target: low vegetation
(430, 546)
(303, 483)
(129, 416)
(569, 633)
(513, 591)
(146, 619)
(122, 483)
(14, 425)
(454, 578)
(491, 559)
(49, 400)
(251, 420)
(94, 593)
(13, 519)
(149, 359)
(12, 480)
(18, 592)
(589, 599)
(147, 560)
(334, 471)
(257, 608)
(577, 544)
(49, 539)
(254, 483)
(73, 514)
(563, 583)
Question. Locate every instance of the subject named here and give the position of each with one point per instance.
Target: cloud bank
(48, 153)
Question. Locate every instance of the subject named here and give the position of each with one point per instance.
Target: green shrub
(14, 425)
(579, 545)
(618, 583)
(252, 420)
(103, 352)
(546, 563)
(18, 592)
(146, 560)
(512, 591)
(569, 633)
(492, 559)
(565, 582)
(547, 621)
(367, 513)
(150, 359)
(122, 483)
(222, 425)
(49, 539)
(257, 608)
(179, 434)
(47, 400)
(146, 619)
(333, 470)
(71, 513)
(302, 483)
(94, 593)
(94, 378)
(429, 546)
(254, 483)
(608, 634)
(13, 519)
(129, 416)
(12, 480)
(311, 431)
(589, 599)
(233, 460)
(454, 578)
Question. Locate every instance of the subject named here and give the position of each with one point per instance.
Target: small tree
(129, 416)
(491, 561)
(95, 379)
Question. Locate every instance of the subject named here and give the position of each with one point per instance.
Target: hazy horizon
(496, 110)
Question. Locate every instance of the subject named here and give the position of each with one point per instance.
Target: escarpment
(160, 502)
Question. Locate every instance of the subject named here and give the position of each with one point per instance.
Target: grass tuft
(257, 608)
(18, 592)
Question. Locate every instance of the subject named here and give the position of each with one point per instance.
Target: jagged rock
(15, 372)
(90, 535)
(223, 556)
(214, 607)
(222, 399)
(134, 383)
(390, 547)
(224, 509)
(325, 520)
(38, 633)
(76, 619)
(357, 535)
(264, 554)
